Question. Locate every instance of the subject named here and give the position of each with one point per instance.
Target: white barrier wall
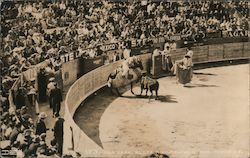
(69, 72)
(75, 140)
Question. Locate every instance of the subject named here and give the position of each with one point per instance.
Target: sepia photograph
(125, 78)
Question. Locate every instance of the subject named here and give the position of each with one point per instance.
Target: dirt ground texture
(208, 118)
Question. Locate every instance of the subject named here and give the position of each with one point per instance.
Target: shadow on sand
(201, 73)
(89, 113)
(199, 85)
(167, 99)
(164, 99)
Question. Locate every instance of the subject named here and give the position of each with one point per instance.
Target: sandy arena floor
(207, 119)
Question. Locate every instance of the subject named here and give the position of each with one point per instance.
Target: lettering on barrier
(243, 33)
(109, 47)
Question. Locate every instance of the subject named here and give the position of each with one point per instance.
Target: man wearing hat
(40, 125)
(50, 87)
(184, 70)
(190, 52)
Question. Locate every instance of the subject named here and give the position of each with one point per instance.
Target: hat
(32, 91)
(144, 72)
(51, 79)
(43, 136)
(42, 115)
(17, 49)
(42, 143)
(22, 59)
(28, 132)
(26, 116)
(36, 139)
(12, 110)
(12, 67)
(33, 79)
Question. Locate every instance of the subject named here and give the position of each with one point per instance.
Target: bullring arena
(59, 60)
(209, 118)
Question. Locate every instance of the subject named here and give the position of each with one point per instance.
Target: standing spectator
(40, 125)
(32, 96)
(41, 82)
(127, 53)
(20, 98)
(190, 52)
(56, 98)
(58, 134)
(50, 87)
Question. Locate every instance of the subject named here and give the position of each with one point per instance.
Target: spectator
(15, 132)
(56, 99)
(32, 97)
(50, 87)
(58, 134)
(20, 98)
(32, 149)
(40, 125)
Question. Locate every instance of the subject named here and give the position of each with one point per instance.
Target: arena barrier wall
(76, 141)
(74, 138)
(69, 72)
(27, 75)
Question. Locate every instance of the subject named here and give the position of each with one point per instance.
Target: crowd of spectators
(34, 31)
(242, 7)
(24, 137)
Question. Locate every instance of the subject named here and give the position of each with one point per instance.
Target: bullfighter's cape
(184, 75)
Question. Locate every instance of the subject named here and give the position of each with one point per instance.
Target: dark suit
(20, 100)
(40, 127)
(56, 98)
(58, 133)
(41, 88)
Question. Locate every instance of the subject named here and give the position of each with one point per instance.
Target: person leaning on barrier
(167, 63)
(190, 52)
(156, 53)
(185, 62)
(127, 53)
